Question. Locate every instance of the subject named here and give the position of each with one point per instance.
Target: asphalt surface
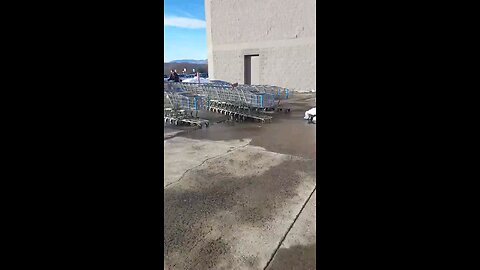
(242, 196)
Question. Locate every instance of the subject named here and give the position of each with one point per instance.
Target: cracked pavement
(241, 197)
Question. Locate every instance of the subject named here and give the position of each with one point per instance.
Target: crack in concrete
(217, 156)
(170, 137)
(289, 228)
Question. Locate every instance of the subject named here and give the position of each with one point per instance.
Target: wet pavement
(241, 195)
(288, 133)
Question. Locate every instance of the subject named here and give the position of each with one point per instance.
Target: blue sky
(184, 30)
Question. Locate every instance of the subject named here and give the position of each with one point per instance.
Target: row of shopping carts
(255, 96)
(240, 102)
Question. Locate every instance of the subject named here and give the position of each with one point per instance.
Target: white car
(311, 114)
(195, 80)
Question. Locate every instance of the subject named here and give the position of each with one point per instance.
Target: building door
(252, 69)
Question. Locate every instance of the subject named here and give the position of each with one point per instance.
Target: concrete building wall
(281, 32)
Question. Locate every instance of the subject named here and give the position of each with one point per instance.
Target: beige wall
(282, 32)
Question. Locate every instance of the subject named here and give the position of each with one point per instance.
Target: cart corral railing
(176, 101)
(194, 95)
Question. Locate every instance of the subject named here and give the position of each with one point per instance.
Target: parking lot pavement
(234, 210)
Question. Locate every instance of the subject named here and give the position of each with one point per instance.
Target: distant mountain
(202, 68)
(190, 61)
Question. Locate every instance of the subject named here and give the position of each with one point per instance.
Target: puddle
(288, 133)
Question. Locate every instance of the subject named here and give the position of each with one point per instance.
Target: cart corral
(183, 101)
